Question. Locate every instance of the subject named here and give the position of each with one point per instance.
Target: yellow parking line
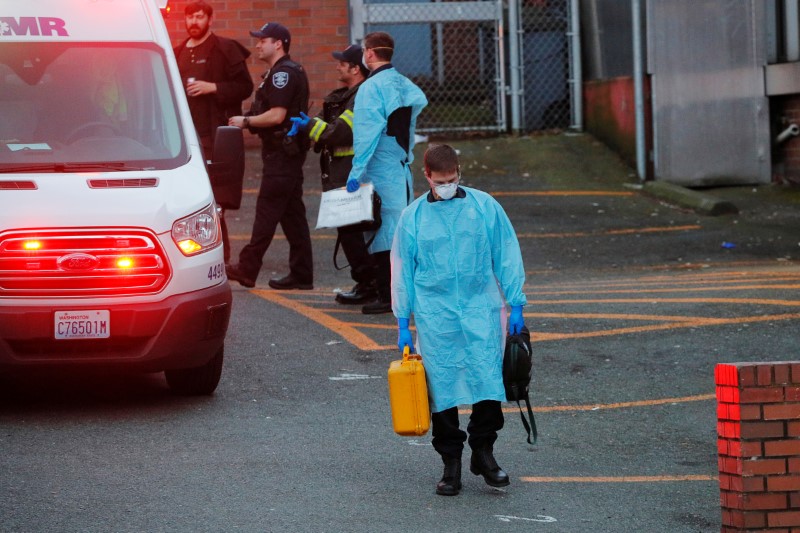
(753, 301)
(694, 323)
(562, 193)
(349, 331)
(639, 290)
(603, 406)
(508, 193)
(642, 284)
(696, 269)
(617, 479)
(342, 311)
(343, 329)
(621, 231)
(622, 405)
(625, 231)
(612, 316)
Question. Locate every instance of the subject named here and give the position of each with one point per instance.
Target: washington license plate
(94, 324)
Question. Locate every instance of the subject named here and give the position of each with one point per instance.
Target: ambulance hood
(152, 200)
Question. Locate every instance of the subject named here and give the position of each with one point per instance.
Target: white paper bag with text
(341, 208)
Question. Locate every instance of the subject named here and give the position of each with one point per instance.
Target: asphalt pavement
(634, 295)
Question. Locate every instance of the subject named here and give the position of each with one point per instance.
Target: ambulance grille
(81, 263)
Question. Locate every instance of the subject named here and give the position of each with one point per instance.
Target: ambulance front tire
(85, 129)
(198, 381)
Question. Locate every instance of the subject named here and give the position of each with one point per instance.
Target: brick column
(758, 427)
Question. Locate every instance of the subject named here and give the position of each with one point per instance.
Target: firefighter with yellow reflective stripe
(332, 133)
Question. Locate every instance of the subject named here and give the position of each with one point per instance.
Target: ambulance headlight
(198, 232)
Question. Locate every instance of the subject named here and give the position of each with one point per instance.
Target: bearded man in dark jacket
(217, 81)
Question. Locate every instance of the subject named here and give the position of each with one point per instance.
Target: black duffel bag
(517, 368)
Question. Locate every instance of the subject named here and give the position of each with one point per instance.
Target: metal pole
(576, 65)
(638, 90)
(500, 62)
(440, 52)
(791, 29)
(356, 21)
(515, 65)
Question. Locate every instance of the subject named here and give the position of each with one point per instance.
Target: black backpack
(517, 366)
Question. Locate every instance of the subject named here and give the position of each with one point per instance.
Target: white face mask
(446, 191)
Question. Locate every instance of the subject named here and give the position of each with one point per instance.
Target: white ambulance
(110, 247)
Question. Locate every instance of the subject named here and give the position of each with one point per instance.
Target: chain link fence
(457, 53)
(454, 55)
(544, 26)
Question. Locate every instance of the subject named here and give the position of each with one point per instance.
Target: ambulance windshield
(73, 105)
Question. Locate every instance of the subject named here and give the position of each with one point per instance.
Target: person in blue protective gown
(455, 263)
(384, 119)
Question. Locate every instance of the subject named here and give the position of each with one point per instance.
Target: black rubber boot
(484, 464)
(362, 292)
(450, 483)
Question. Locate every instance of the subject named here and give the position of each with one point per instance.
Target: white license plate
(82, 324)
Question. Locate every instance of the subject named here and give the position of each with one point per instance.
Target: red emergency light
(165, 7)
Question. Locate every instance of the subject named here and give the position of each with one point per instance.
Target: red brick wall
(787, 154)
(758, 427)
(318, 27)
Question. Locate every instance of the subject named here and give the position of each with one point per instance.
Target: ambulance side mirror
(226, 169)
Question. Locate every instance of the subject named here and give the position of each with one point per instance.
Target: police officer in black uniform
(282, 94)
(332, 133)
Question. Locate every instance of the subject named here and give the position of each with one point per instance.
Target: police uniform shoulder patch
(280, 79)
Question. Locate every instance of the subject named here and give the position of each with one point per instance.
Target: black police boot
(379, 306)
(288, 283)
(450, 483)
(235, 273)
(362, 292)
(484, 464)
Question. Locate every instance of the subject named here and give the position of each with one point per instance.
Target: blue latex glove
(352, 185)
(404, 335)
(298, 124)
(515, 321)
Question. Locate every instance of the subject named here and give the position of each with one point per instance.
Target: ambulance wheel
(87, 128)
(198, 381)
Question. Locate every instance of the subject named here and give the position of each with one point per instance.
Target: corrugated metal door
(710, 112)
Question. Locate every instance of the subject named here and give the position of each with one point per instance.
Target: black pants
(484, 423)
(383, 275)
(362, 265)
(280, 201)
(383, 266)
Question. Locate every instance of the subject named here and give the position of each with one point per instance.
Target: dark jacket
(228, 69)
(332, 133)
(284, 85)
